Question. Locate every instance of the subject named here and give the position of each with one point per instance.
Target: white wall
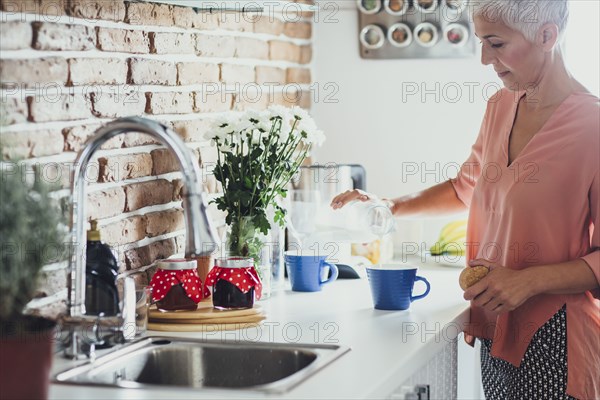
(582, 43)
(377, 122)
(372, 124)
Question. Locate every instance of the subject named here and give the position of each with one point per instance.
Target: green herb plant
(32, 234)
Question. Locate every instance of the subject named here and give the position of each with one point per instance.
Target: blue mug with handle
(307, 271)
(392, 286)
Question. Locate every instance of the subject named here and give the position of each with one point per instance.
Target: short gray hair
(525, 16)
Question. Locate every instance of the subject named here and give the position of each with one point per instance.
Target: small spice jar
(369, 6)
(426, 34)
(426, 6)
(396, 7)
(176, 285)
(235, 283)
(456, 5)
(456, 34)
(372, 37)
(400, 35)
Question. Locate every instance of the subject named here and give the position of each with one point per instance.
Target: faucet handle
(85, 332)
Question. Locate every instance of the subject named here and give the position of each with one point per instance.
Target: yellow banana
(452, 239)
(452, 248)
(455, 249)
(436, 249)
(451, 226)
(457, 236)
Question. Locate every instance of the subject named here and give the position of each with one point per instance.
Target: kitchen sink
(188, 363)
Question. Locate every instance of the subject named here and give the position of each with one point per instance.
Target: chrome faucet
(201, 237)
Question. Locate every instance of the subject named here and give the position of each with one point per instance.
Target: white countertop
(387, 347)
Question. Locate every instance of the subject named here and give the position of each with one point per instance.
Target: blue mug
(306, 271)
(392, 286)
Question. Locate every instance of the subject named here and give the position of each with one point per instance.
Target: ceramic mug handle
(420, 278)
(334, 272)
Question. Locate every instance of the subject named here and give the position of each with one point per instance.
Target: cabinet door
(436, 380)
(469, 370)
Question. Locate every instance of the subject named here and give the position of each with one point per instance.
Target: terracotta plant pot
(26, 358)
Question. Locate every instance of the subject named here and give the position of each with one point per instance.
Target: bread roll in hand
(471, 275)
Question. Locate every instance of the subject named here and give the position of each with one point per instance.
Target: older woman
(532, 186)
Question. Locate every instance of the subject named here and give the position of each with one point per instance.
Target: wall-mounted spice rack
(391, 29)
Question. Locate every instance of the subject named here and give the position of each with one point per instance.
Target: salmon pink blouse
(543, 208)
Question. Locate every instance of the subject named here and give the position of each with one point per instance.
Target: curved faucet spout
(201, 237)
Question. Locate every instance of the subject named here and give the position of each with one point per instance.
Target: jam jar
(235, 282)
(176, 285)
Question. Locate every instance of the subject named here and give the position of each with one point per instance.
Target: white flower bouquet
(258, 154)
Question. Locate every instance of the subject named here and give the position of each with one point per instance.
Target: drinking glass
(303, 208)
(143, 297)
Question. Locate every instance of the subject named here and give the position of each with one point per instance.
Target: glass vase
(243, 239)
(276, 247)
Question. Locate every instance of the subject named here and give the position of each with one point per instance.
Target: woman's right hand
(348, 196)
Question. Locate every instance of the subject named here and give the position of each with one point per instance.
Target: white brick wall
(67, 67)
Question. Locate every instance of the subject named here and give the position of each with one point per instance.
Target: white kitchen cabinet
(436, 380)
(453, 373)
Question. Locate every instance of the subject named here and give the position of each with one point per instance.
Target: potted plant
(258, 153)
(31, 230)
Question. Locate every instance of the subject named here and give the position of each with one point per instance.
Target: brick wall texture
(69, 66)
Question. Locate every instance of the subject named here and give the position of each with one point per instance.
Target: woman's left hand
(501, 290)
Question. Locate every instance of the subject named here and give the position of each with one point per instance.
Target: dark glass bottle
(101, 294)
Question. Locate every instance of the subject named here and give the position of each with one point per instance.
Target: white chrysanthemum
(286, 129)
(252, 114)
(219, 128)
(315, 137)
(209, 135)
(233, 118)
(256, 137)
(307, 125)
(265, 126)
(242, 124)
(280, 111)
(225, 148)
(255, 115)
(237, 137)
(261, 120)
(300, 113)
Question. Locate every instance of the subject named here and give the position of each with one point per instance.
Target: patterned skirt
(543, 370)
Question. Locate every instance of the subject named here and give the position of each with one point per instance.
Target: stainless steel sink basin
(270, 367)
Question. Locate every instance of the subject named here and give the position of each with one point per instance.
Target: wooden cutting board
(205, 318)
(218, 320)
(205, 311)
(154, 326)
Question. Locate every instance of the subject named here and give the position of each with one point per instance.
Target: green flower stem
(286, 177)
(290, 137)
(279, 164)
(220, 165)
